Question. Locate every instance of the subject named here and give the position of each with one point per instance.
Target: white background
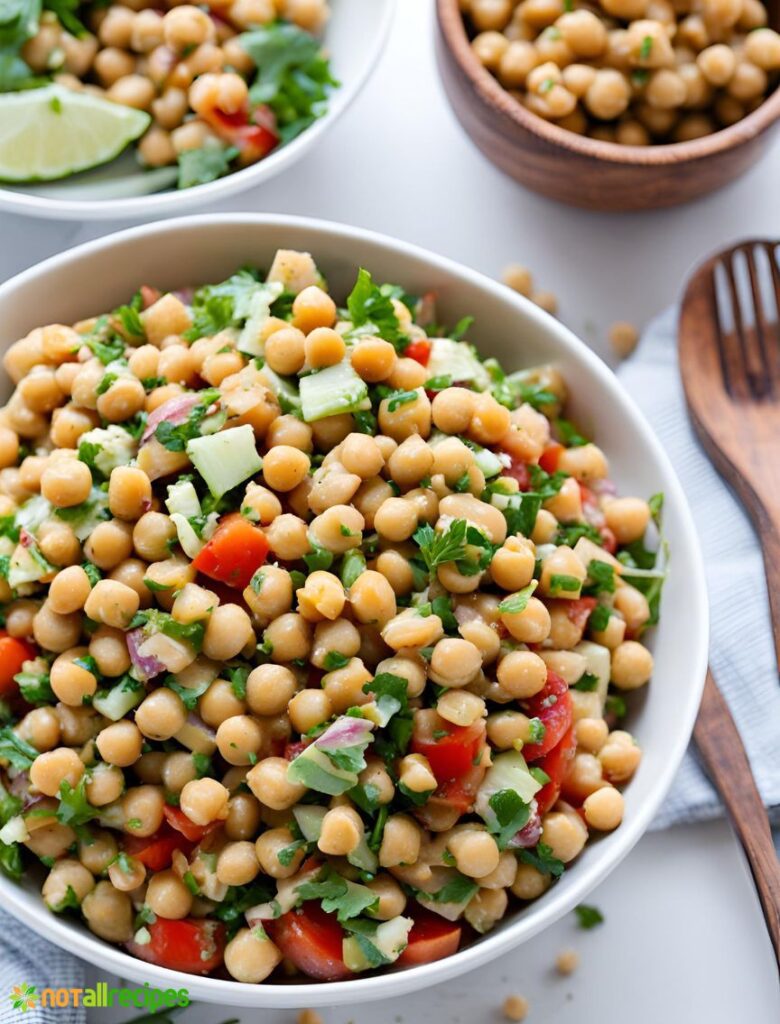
(683, 939)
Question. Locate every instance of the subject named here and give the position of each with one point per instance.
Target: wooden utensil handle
(768, 524)
(724, 756)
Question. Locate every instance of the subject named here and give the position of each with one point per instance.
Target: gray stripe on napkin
(742, 653)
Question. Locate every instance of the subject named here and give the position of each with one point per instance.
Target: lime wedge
(53, 132)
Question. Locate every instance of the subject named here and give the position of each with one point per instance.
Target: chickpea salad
(635, 72)
(200, 91)
(316, 627)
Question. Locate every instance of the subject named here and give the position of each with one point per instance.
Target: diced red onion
(604, 487)
(345, 732)
(184, 295)
(175, 410)
(529, 834)
(146, 667)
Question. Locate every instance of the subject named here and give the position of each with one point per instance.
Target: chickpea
(109, 649)
(228, 631)
(608, 95)
(373, 359)
(55, 632)
(309, 707)
(409, 418)
(66, 483)
(50, 769)
(161, 715)
(338, 529)
(167, 896)
(243, 818)
(239, 739)
(109, 913)
(584, 32)
(632, 665)
(529, 883)
(69, 590)
(109, 544)
(112, 603)
(70, 681)
(204, 801)
(532, 625)
(127, 874)
(342, 831)
(269, 783)
(41, 728)
(591, 734)
(401, 841)
(250, 956)
(289, 637)
(632, 606)
(142, 807)
(603, 809)
(762, 47)
(321, 597)
(187, 26)
(391, 897)
(565, 833)
(475, 851)
(132, 91)
(620, 756)
(408, 629)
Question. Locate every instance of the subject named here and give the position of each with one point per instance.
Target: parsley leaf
(174, 437)
(587, 683)
(368, 306)
(541, 858)
(199, 166)
(521, 513)
(337, 895)
(35, 688)
(588, 917)
(602, 576)
(518, 602)
(18, 752)
(512, 813)
(74, 808)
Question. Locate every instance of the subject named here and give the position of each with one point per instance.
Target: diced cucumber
(27, 566)
(364, 951)
(225, 459)
(363, 856)
(116, 702)
(116, 446)
(308, 818)
(286, 392)
(488, 462)
(14, 831)
(183, 498)
(196, 736)
(315, 770)
(508, 771)
(190, 542)
(34, 511)
(598, 662)
(259, 311)
(336, 389)
(457, 360)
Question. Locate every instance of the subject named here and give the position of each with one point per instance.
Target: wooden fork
(729, 347)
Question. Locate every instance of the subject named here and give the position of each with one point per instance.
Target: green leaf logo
(23, 997)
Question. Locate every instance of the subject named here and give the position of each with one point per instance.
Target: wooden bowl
(582, 171)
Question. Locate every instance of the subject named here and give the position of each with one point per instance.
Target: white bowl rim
(172, 202)
(557, 902)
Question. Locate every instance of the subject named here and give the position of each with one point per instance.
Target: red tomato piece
(550, 456)
(13, 654)
(254, 140)
(431, 938)
(608, 539)
(420, 351)
(179, 821)
(579, 610)
(291, 750)
(452, 754)
(149, 295)
(519, 471)
(192, 946)
(552, 705)
(234, 553)
(555, 765)
(311, 939)
(156, 852)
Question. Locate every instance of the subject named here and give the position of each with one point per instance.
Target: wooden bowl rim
(491, 92)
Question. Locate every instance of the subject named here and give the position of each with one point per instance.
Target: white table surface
(683, 938)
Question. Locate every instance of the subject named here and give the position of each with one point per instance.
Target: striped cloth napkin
(741, 655)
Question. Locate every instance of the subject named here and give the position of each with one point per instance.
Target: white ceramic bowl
(354, 36)
(102, 274)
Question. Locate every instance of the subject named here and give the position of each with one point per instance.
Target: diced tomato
(179, 821)
(149, 295)
(550, 456)
(291, 750)
(253, 139)
(451, 749)
(579, 610)
(420, 351)
(13, 654)
(555, 765)
(431, 938)
(156, 852)
(552, 705)
(519, 471)
(608, 539)
(234, 553)
(311, 939)
(192, 946)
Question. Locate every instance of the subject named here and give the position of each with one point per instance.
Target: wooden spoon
(729, 345)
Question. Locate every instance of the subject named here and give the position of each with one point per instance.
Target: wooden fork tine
(772, 337)
(730, 341)
(756, 341)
